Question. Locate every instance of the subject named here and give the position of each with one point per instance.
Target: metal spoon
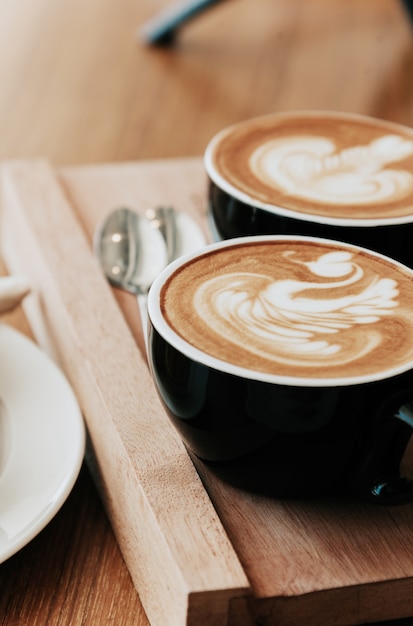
(180, 231)
(132, 249)
(165, 219)
(131, 253)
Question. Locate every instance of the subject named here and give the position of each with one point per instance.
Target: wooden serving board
(199, 551)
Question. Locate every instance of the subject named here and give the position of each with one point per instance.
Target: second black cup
(331, 175)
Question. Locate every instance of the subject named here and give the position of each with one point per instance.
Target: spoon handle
(180, 231)
(167, 218)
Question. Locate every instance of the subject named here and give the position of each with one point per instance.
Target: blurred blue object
(162, 29)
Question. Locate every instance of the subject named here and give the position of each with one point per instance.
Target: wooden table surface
(79, 88)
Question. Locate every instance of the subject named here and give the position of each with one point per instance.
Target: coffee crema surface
(332, 165)
(301, 308)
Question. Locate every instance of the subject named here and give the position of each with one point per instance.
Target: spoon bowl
(133, 249)
(180, 231)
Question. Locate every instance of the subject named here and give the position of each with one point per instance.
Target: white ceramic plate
(42, 440)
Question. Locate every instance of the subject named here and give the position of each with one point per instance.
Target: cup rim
(276, 209)
(197, 355)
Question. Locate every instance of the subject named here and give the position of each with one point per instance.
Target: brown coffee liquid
(295, 308)
(329, 165)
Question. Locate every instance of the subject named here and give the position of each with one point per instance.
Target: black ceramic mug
(286, 364)
(331, 175)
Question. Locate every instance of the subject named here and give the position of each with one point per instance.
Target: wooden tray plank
(174, 544)
(340, 559)
(309, 563)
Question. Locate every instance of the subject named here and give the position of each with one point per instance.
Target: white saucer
(42, 440)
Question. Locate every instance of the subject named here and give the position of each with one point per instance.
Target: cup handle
(378, 479)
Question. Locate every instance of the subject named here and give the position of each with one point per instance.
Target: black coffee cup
(286, 364)
(331, 175)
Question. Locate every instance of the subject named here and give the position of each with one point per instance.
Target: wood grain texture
(338, 559)
(78, 88)
(73, 572)
(176, 549)
(323, 558)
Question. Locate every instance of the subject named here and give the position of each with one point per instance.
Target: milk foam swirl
(311, 168)
(301, 321)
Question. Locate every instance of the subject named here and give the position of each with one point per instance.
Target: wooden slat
(344, 560)
(178, 554)
(303, 562)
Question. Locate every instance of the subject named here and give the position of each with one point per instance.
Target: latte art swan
(296, 321)
(311, 168)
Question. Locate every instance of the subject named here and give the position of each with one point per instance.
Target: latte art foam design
(311, 168)
(300, 322)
